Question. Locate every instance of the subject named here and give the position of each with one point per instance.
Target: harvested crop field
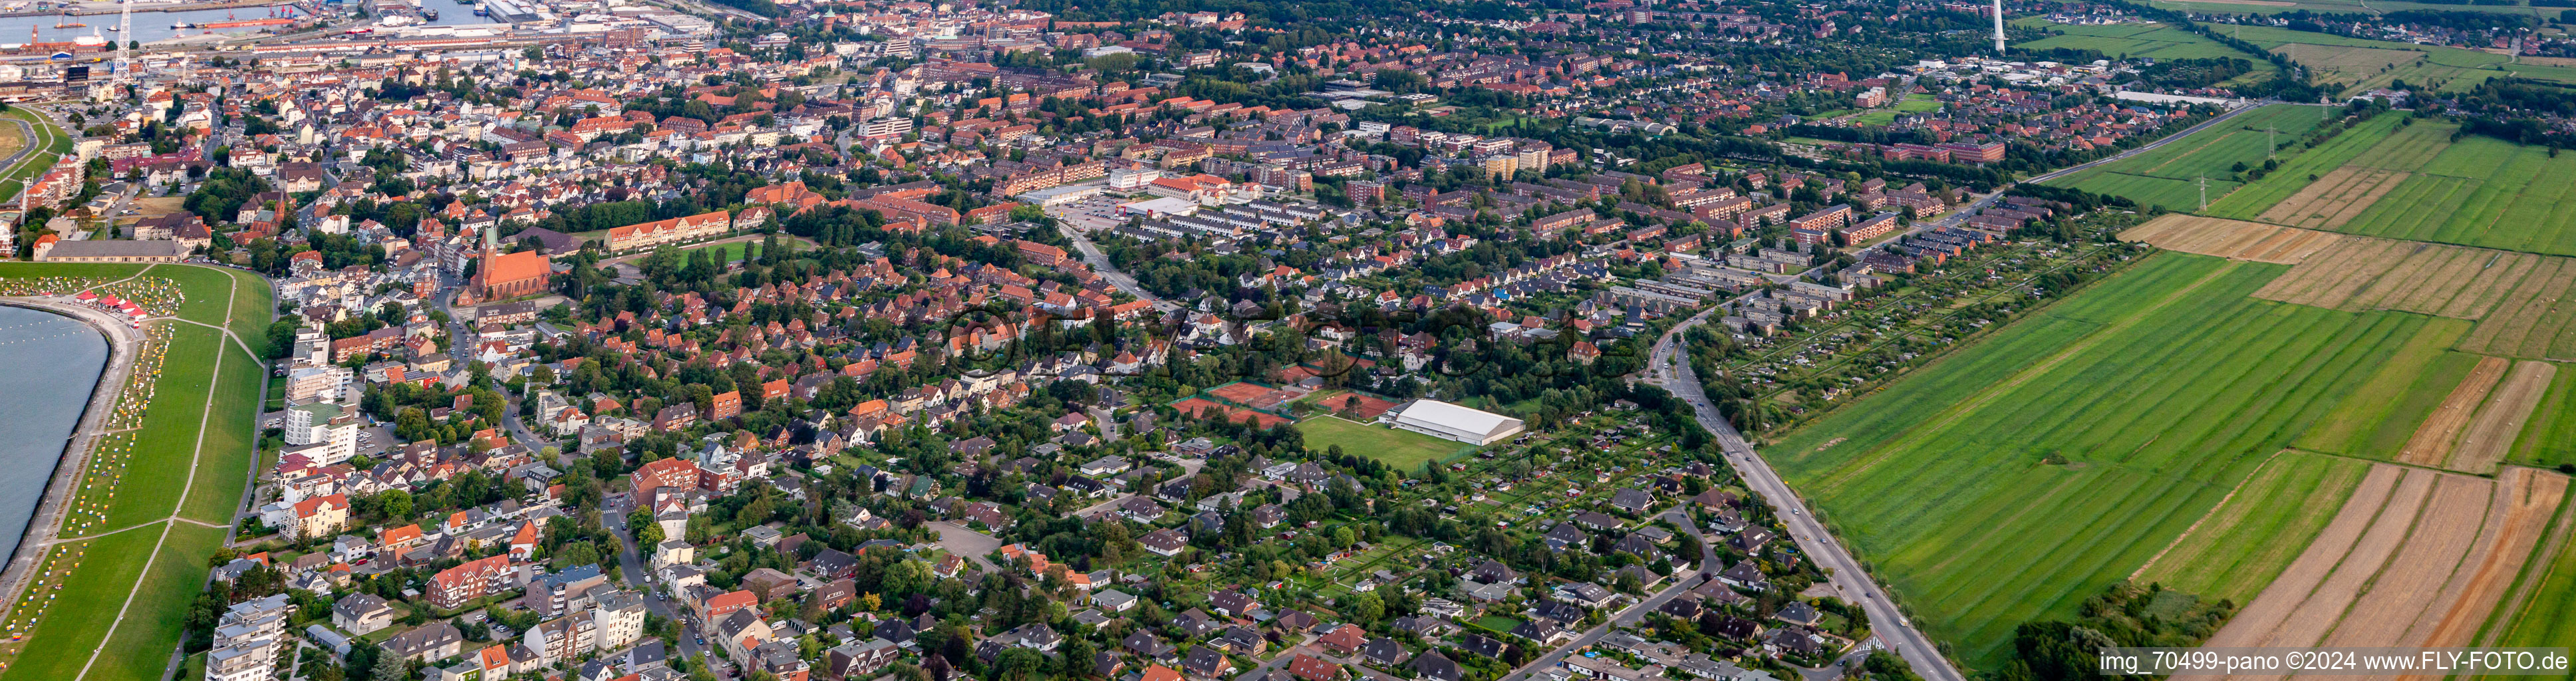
(2434, 279)
(2432, 442)
(2335, 198)
(2413, 558)
(2232, 239)
(2523, 504)
(2537, 317)
(2489, 435)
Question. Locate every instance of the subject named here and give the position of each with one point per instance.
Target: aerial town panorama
(1279, 340)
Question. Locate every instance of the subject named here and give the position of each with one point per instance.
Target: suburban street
(1630, 615)
(1100, 264)
(1666, 369)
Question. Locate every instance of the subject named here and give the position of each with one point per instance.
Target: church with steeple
(501, 276)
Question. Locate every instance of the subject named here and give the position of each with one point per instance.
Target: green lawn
(208, 291)
(141, 646)
(77, 622)
(166, 443)
(1403, 449)
(226, 458)
(50, 144)
(256, 304)
(2165, 387)
(733, 251)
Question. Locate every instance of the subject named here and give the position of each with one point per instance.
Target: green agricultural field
(2172, 194)
(2482, 191)
(2549, 438)
(2365, 64)
(2170, 175)
(2341, 6)
(2130, 40)
(1403, 449)
(2298, 170)
(2163, 388)
(2249, 539)
(2375, 421)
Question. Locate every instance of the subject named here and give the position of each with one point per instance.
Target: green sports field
(1403, 449)
(1939, 481)
(2170, 175)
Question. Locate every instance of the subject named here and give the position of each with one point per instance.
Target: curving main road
(1100, 265)
(1667, 370)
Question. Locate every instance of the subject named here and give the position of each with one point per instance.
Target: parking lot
(1091, 214)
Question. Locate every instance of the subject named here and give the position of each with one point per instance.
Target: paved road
(632, 569)
(1668, 370)
(1100, 264)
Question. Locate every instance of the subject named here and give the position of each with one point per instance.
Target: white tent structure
(1452, 422)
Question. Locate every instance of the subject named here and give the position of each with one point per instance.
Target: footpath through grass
(2162, 389)
(49, 145)
(80, 618)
